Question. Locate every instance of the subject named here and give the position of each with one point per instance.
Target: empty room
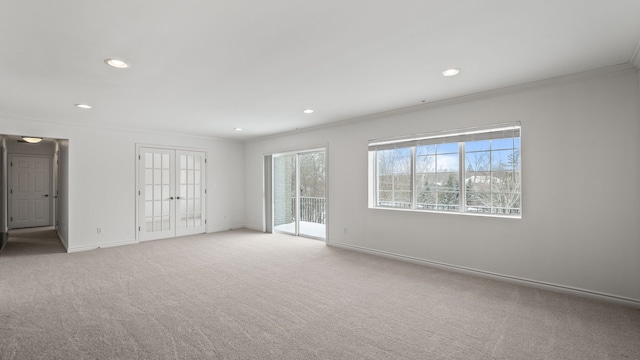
(319, 180)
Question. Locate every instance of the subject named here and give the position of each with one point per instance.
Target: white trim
(100, 246)
(227, 228)
(251, 227)
(596, 295)
(114, 128)
(448, 134)
(462, 99)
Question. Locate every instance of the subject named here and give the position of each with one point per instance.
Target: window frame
(462, 138)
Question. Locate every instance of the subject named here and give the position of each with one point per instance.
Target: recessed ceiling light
(308, 111)
(451, 72)
(117, 63)
(237, 129)
(83, 106)
(31, 140)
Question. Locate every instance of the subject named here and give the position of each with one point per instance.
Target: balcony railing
(312, 209)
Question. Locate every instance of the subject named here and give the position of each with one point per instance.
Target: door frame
(269, 205)
(52, 185)
(136, 159)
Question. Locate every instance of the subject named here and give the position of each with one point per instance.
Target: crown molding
(435, 103)
(6, 116)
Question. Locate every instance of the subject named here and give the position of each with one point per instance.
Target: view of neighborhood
(491, 176)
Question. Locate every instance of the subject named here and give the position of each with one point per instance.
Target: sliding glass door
(284, 194)
(299, 193)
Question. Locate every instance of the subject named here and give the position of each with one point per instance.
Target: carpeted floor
(247, 295)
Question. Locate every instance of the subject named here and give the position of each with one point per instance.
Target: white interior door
(190, 193)
(29, 191)
(171, 195)
(156, 193)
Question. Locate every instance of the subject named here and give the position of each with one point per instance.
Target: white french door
(171, 193)
(30, 191)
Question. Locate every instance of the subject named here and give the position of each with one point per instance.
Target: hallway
(34, 241)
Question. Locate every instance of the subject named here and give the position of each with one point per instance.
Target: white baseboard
(254, 228)
(98, 246)
(224, 228)
(621, 300)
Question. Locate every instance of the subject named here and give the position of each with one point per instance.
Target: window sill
(518, 217)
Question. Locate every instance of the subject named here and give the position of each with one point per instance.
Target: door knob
(47, 195)
(170, 197)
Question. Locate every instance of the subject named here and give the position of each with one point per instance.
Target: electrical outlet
(346, 231)
(99, 230)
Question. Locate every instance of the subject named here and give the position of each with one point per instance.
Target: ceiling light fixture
(83, 106)
(237, 129)
(31, 140)
(117, 63)
(451, 72)
(308, 111)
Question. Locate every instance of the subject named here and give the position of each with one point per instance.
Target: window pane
(425, 150)
(385, 196)
(425, 164)
(426, 199)
(505, 202)
(481, 145)
(502, 160)
(490, 174)
(148, 160)
(165, 161)
(402, 182)
(402, 165)
(385, 182)
(478, 161)
(499, 144)
(447, 148)
(448, 163)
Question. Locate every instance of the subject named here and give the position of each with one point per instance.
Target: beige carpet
(247, 295)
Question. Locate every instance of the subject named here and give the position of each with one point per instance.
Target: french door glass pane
(156, 192)
(190, 191)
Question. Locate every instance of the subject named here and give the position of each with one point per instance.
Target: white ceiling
(206, 67)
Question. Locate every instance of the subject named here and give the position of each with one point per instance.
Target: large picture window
(471, 171)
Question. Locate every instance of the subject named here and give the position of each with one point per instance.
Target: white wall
(63, 192)
(101, 179)
(581, 199)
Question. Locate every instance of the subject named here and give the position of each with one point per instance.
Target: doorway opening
(171, 192)
(34, 196)
(298, 191)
